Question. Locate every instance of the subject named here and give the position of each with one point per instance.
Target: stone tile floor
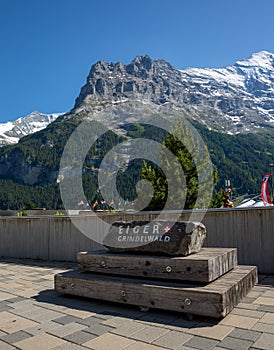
(33, 316)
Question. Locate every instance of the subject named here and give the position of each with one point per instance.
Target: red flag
(264, 190)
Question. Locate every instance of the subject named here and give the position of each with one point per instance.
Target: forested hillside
(242, 158)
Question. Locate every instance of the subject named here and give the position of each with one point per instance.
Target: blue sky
(48, 47)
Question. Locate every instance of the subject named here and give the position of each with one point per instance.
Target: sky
(48, 46)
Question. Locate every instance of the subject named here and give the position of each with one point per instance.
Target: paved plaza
(34, 316)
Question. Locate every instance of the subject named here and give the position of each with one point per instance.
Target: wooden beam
(215, 299)
(204, 266)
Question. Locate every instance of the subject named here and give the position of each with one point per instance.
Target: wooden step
(215, 299)
(205, 266)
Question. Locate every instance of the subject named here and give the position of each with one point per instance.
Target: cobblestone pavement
(33, 316)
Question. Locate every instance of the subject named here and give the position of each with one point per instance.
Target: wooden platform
(215, 299)
(205, 266)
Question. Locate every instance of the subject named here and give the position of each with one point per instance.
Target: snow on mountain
(239, 97)
(11, 132)
(234, 99)
(259, 63)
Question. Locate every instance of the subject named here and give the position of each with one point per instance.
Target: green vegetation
(187, 148)
(243, 159)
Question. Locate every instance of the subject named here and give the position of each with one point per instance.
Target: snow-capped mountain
(240, 95)
(11, 132)
(234, 99)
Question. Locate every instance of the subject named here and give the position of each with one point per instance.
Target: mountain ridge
(218, 110)
(234, 99)
(12, 132)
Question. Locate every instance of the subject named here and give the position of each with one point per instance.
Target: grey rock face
(142, 79)
(235, 99)
(161, 237)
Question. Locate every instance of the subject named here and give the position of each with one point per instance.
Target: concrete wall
(251, 231)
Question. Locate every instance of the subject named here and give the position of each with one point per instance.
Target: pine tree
(194, 188)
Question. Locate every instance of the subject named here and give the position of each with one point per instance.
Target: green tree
(194, 188)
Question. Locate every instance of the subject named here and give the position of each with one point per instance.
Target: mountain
(235, 99)
(11, 132)
(232, 108)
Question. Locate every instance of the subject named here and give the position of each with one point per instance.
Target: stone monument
(161, 265)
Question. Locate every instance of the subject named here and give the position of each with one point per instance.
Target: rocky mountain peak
(139, 64)
(142, 79)
(234, 99)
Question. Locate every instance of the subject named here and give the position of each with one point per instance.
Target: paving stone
(269, 293)
(245, 334)
(99, 329)
(266, 308)
(267, 318)
(15, 337)
(48, 315)
(5, 308)
(115, 322)
(90, 321)
(201, 343)
(264, 328)
(217, 332)
(4, 303)
(248, 300)
(264, 301)
(22, 303)
(235, 343)
(261, 288)
(70, 346)
(181, 325)
(80, 313)
(104, 316)
(247, 306)
(42, 315)
(158, 318)
(143, 346)
(109, 341)
(26, 310)
(248, 313)
(239, 321)
(15, 299)
(265, 341)
(254, 293)
(67, 319)
(120, 321)
(41, 342)
(63, 330)
(41, 328)
(100, 309)
(30, 293)
(79, 337)
(5, 346)
(4, 296)
(128, 329)
(149, 334)
(130, 312)
(10, 323)
(172, 339)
